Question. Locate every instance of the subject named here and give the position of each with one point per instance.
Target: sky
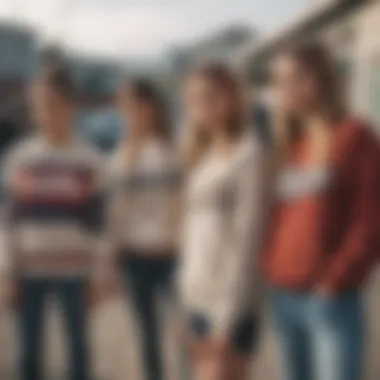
(142, 29)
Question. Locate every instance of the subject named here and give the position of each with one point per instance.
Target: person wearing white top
(223, 219)
(145, 214)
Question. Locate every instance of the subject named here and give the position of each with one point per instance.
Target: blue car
(101, 127)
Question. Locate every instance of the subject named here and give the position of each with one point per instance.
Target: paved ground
(115, 348)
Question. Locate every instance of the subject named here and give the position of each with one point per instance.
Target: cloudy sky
(141, 29)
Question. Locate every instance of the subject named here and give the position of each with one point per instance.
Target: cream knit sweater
(223, 229)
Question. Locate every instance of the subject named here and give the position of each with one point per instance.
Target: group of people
(219, 222)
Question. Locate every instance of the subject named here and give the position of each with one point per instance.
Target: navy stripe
(43, 212)
(95, 212)
(55, 166)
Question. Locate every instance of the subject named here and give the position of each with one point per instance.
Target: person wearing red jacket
(323, 230)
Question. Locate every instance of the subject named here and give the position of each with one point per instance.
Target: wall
(356, 40)
(367, 54)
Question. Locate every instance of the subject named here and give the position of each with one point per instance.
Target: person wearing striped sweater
(53, 222)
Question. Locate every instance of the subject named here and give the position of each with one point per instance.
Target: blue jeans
(320, 338)
(71, 294)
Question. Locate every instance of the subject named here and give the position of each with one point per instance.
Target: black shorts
(244, 335)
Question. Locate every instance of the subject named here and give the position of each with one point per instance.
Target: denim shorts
(244, 335)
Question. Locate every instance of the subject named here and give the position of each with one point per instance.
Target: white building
(351, 28)
(18, 62)
(18, 53)
(215, 47)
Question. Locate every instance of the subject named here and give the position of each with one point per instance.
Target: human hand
(324, 290)
(9, 292)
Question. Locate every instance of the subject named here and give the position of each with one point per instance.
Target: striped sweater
(54, 208)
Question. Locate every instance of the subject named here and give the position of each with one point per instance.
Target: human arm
(357, 251)
(247, 232)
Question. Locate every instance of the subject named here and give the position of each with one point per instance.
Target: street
(115, 344)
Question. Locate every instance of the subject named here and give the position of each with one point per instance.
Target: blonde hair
(317, 60)
(198, 139)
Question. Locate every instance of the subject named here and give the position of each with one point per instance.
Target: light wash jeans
(320, 338)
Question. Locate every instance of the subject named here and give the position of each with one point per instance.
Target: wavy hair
(224, 79)
(316, 59)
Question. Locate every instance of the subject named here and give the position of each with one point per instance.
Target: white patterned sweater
(223, 230)
(146, 197)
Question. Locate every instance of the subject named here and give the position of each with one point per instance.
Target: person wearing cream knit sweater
(223, 228)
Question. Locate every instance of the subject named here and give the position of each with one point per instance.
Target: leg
(244, 341)
(205, 358)
(209, 368)
(165, 273)
(239, 367)
(338, 335)
(32, 297)
(72, 296)
(289, 310)
(209, 362)
(142, 283)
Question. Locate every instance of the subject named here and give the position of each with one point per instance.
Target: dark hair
(223, 77)
(315, 57)
(146, 91)
(60, 78)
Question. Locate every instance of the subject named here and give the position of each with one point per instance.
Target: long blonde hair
(317, 60)
(198, 140)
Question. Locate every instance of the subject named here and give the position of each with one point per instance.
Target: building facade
(216, 47)
(18, 62)
(18, 56)
(351, 28)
